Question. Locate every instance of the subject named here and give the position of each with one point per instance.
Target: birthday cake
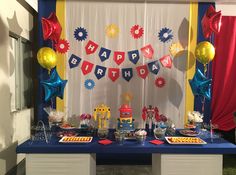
(125, 122)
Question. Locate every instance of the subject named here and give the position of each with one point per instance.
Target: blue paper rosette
(165, 35)
(89, 84)
(80, 34)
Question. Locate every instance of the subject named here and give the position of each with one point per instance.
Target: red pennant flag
(166, 61)
(147, 51)
(86, 67)
(91, 47)
(119, 57)
(142, 71)
(113, 73)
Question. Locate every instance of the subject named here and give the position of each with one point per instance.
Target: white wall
(226, 9)
(14, 127)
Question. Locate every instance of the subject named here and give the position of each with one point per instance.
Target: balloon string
(51, 103)
(203, 106)
(205, 69)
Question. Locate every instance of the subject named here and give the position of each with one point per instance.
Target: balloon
(205, 52)
(211, 22)
(201, 85)
(47, 58)
(51, 28)
(54, 86)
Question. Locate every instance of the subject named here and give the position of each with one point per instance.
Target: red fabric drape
(224, 75)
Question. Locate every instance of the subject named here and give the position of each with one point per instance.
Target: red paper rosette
(62, 46)
(136, 31)
(160, 82)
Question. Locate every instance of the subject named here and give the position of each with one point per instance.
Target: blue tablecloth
(218, 146)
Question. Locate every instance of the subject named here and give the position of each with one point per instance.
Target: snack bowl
(66, 134)
(159, 133)
(102, 133)
(120, 137)
(141, 136)
(141, 139)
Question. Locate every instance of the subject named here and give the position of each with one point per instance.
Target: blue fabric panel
(202, 7)
(45, 8)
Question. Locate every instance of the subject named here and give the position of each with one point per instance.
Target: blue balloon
(54, 86)
(201, 85)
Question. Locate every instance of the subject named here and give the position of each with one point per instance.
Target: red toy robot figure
(150, 116)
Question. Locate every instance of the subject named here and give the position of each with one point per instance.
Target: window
(21, 85)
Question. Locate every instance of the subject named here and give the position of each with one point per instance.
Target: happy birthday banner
(119, 56)
(114, 73)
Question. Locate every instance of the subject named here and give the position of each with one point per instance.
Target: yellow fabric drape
(61, 64)
(191, 64)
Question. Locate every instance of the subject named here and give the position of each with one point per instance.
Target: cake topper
(102, 114)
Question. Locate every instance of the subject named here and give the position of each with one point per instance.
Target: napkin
(105, 142)
(156, 142)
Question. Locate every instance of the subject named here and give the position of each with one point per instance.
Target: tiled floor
(124, 170)
(102, 170)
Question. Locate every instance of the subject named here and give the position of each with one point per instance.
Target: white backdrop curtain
(94, 17)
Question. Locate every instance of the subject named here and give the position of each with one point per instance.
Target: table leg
(60, 164)
(186, 164)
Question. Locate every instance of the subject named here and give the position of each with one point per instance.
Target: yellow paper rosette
(175, 48)
(112, 30)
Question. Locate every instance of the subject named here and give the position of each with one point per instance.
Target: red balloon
(211, 22)
(51, 28)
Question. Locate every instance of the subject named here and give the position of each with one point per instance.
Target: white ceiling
(166, 1)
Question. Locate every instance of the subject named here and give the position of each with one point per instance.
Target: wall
(226, 9)
(14, 127)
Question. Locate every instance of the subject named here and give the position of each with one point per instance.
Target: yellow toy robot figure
(102, 114)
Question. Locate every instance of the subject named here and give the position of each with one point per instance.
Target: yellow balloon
(205, 52)
(47, 58)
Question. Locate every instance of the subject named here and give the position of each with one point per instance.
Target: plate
(76, 139)
(187, 132)
(66, 126)
(185, 140)
(189, 126)
(66, 133)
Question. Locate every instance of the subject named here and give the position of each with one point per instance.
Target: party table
(57, 158)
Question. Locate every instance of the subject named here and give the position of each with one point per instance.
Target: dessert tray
(188, 132)
(67, 134)
(189, 126)
(185, 140)
(66, 126)
(76, 139)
